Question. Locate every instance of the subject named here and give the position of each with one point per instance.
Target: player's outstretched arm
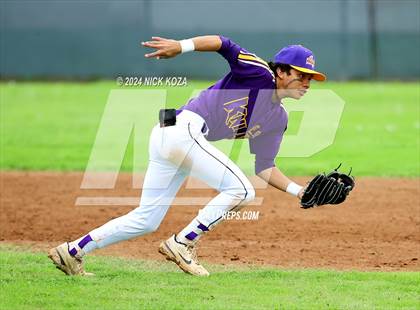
(277, 179)
(168, 48)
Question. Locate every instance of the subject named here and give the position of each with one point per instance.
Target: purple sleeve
(239, 67)
(265, 148)
(229, 50)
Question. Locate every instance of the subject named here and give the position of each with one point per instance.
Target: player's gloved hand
(332, 188)
(165, 48)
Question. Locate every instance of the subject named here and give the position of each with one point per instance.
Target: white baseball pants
(174, 153)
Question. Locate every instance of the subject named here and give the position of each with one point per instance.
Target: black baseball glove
(331, 188)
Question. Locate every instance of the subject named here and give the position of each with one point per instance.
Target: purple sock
(82, 245)
(192, 233)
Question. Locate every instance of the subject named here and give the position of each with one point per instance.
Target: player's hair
(283, 67)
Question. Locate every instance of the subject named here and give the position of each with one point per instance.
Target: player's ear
(280, 73)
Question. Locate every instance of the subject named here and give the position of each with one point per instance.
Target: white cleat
(182, 255)
(70, 265)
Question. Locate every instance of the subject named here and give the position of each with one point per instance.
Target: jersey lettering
(236, 112)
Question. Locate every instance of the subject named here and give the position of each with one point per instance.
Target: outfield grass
(52, 126)
(29, 281)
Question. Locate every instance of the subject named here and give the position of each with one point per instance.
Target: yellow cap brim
(317, 76)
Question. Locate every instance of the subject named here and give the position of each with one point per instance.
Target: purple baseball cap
(299, 58)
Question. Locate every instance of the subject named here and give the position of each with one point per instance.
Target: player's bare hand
(300, 194)
(164, 48)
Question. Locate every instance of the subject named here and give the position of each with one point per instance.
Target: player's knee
(143, 223)
(250, 194)
(246, 194)
(150, 227)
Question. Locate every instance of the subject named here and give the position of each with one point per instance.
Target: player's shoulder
(256, 64)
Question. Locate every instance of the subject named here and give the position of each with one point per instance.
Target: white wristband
(293, 188)
(187, 45)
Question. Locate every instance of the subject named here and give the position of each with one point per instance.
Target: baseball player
(245, 103)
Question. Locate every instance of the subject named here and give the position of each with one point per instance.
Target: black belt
(167, 117)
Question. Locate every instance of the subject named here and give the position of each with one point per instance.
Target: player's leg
(207, 163)
(221, 173)
(161, 183)
(157, 195)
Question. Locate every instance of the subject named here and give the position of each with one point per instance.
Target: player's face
(294, 85)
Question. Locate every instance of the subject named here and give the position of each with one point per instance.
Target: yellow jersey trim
(253, 58)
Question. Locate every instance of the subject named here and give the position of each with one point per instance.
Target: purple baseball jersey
(240, 105)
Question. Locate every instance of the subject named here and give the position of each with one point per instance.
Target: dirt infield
(377, 229)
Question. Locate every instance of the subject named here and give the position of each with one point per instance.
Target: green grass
(52, 126)
(29, 281)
